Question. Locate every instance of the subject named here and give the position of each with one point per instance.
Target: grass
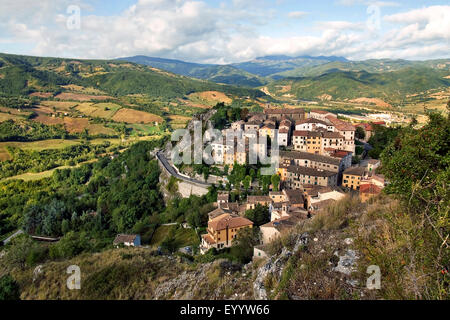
(183, 237)
(54, 144)
(145, 129)
(31, 176)
(134, 116)
(6, 116)
(60, 105)
(100, 110)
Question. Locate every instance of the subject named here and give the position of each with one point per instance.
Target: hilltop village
(315, 169)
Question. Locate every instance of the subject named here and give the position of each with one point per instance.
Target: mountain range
(264, 70)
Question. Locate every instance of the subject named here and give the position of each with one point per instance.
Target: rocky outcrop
(275, 267)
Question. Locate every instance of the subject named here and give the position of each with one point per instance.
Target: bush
(9, 288)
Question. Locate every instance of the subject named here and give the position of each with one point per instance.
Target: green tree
(275, 179)
(360, 133)
(247, 182)
(416, 163)
(260, 215)
(242, 248)
(9, 288)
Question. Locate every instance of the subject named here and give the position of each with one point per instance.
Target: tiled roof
(302, 133)
(309, 156)
(295, 196)
(340, 125)
(320, 111)
(310, 171)
(369, 188)
(366, 126)
(285, 223)
(283, 130)
(122, 238)
(355, 171)
(310, 120)
(208, 238)
(255, 199)
(332, 135)
(228, 221)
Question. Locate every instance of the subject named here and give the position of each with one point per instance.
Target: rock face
(347, 262)
(275, 267)
(216, 280)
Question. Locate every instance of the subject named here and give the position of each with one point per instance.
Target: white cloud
(297, 14)
(193, 30)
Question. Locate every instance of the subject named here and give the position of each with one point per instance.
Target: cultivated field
(100, 110)
(178, 122)
(7, 116)
(60, 105)
(48, 120)
(135, 116)
(80, 97)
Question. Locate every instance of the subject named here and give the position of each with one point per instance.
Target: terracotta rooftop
(122, 238)
(310, 171)
(340, 125)
(366, 126)
(208, 238)
(229, 221)
(295, 196)
(369, 188)
(311, 120)
(286, 222)
(303, 133)
(355, 171)
(320, 111)
(332, 135)
(256, 199)
(309, 156)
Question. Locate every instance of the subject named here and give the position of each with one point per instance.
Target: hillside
(391, 87)
(225, 74)
(21, 75)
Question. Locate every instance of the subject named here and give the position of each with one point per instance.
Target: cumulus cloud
(194, 30)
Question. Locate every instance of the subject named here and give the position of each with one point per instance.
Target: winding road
(173, 172)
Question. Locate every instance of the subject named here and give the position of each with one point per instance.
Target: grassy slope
(392, 86)
(23, 74)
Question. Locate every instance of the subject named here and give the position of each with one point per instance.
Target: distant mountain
(253, 73)
(22, 75)
(225, 74)
(271, 66)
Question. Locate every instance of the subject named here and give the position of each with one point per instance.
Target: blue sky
(214, 31)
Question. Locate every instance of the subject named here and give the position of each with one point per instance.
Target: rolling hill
(391, 87)
(225, 74)
(22, 75)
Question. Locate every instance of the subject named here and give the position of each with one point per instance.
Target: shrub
(9, 288)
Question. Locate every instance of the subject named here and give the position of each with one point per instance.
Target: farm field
(6, 117)
(60, 105)
(178, 122)
(100, 110)
(134, 116)
(80, 89)
(145, 129)
(80, 97)
(209, 98)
